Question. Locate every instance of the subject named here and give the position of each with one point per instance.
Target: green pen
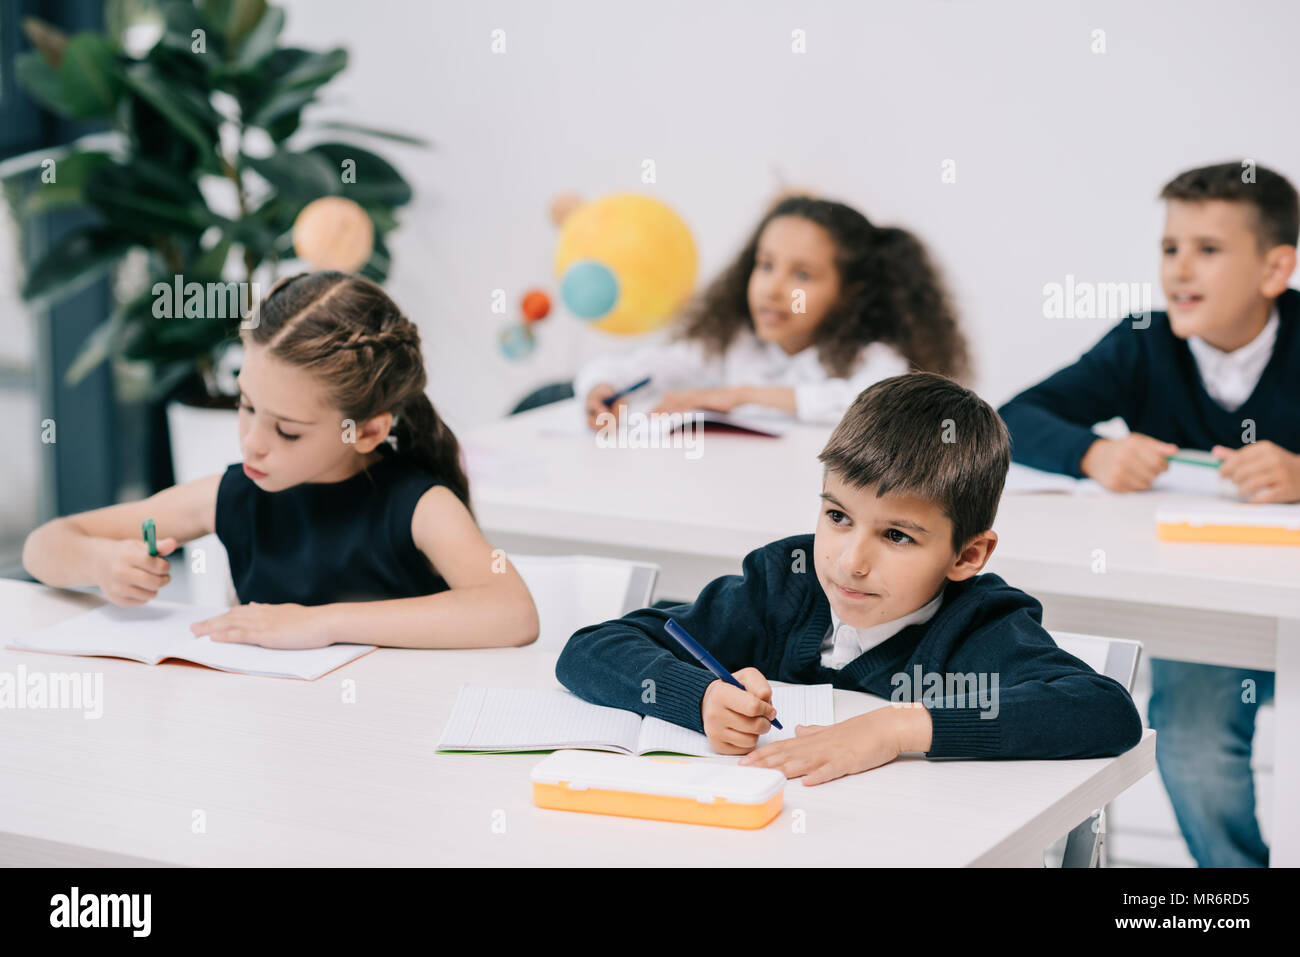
(150, 536)
(1195, 457)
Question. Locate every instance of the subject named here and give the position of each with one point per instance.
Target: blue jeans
(1203, 744)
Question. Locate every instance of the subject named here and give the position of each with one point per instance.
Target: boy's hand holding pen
(735, 717)
(736, 708)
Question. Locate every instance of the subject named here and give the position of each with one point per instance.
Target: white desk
(285, 773)
(540, 491)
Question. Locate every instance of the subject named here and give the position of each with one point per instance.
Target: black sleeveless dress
(319, 543)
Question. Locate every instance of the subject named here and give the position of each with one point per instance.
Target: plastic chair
(573, 591)
(1115, 658)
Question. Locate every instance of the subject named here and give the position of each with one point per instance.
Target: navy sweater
(1049, 703)
(1149, 378)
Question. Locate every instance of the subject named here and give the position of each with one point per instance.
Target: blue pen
(632, 388)
(706, 659)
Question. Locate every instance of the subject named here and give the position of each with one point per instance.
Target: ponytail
(424, 439)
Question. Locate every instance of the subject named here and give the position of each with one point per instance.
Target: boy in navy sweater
(1219, 371)
(886, 598)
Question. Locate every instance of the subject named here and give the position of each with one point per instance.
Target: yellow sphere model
(334, 233)
(647, 248)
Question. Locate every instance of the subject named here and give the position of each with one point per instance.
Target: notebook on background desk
(567, 418)
(161, 629)
(519, 719)
(1179, 477)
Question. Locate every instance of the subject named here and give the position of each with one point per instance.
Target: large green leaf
(178, 338)
(380, 262)
(284, 104)
(180, 21)
(377, 182)
(41, 81)
(90, 77)
(274, 95)
(192, 117)
(68, 188)
(106, 338)
(260, 43)
(146, 198)
(371, 131)
(210, 263)
(312, 69)
(74, 262)
(257, 231)
(155, 138)
(303, 176)
(234, 18)
(166, 378)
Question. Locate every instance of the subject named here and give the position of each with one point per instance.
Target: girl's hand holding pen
(127, 574)
(595, 404)
(735, 717)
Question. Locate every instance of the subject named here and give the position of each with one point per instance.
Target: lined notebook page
(517, 719)
(795, 704)
(159, 630)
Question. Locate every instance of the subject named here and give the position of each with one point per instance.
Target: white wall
(1060, 152)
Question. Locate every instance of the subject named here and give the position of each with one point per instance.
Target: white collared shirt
(686, 364)
(843, 642)
(1230, 377)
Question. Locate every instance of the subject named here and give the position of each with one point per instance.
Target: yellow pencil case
(1237, 524)
(661, 789)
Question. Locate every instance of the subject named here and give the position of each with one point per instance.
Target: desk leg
(1285, 845)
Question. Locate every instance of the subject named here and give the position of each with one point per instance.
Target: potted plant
(204, 167)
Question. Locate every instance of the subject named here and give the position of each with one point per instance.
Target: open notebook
(567, 418)
(517, 719)
(1179, 477)
(161, 629)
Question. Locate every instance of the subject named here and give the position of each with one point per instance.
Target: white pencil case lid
(705, 781)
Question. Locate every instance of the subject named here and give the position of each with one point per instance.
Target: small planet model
(334, 233)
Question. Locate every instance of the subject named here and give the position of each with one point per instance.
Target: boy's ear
(372, 432)
(1279, 264)
(973, 556)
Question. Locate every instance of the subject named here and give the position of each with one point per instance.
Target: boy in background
(1220, 370)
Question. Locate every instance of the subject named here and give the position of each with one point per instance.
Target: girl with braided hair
(349, 518)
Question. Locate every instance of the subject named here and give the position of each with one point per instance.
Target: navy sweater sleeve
(1051, 423)
(1046, 703)
(632, 663)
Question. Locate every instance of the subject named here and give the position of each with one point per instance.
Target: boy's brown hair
(1277, 220)
(925, 435)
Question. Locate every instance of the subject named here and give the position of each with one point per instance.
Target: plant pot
(204, 441)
